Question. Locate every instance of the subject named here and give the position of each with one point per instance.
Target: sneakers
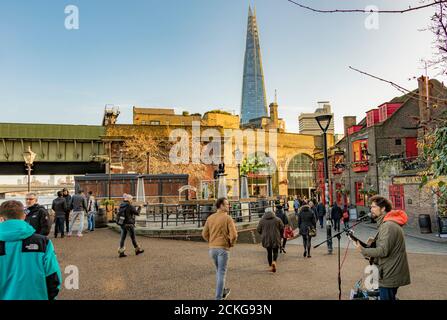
(305, 254)
(283, 250)
(226, 293)
(138, 251)
(80, 235)
(274, 267)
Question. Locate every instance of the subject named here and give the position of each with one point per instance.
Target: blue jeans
(91, 220)
(321, 219)
(388, 293)
(220, 259)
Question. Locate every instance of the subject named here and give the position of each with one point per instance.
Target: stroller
(361, 293)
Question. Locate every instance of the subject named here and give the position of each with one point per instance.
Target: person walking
(79, 207)
(283, 216)
(313, 208)
(36, 215)
(306, 221)
(390, 251)
(345, 218)
(321, 213)
(92, 208)
(128, 211)
(271, 228)
(336, 215)
(296, 205)
(67, 198)
(286, 205)
(221, 234)
(29, 269)
(59, 207)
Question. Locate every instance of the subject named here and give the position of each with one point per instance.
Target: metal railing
(161, 215)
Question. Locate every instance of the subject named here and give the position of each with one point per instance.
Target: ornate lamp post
(323, 122)
(29, 157)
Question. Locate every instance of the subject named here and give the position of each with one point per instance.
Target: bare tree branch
(398, 87)
(368, 11)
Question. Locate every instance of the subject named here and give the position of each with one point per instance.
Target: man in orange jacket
(220, 231)
(390, 252)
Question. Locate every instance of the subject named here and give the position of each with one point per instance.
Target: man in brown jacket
(390, 253)
(220, 231)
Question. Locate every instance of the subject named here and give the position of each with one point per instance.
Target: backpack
(121, 216)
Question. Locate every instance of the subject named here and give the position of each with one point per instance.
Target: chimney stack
(348, 121)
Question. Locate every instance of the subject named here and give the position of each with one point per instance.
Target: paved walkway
(182, 270)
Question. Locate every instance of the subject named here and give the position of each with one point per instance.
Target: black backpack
(121, 216)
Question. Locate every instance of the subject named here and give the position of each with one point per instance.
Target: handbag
(288, 233)
(312, 232)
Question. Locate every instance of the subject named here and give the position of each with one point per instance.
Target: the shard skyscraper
(254, 104)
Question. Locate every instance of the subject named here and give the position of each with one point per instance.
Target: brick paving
(176, 270)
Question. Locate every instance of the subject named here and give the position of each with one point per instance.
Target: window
(397, 196)
(301, 174)
(398, 142)
(360, 150)
(359, 196)
(155, 123)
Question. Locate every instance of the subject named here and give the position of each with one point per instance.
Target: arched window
(300, 175)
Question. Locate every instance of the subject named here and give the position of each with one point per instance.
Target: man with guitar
(389, 252)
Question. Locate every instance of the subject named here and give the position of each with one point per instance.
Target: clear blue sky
(188, 54)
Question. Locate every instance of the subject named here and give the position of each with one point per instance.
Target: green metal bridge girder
(51, 142)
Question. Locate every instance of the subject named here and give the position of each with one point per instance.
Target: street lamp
(323, 122)
(238, 157)
(29, 157)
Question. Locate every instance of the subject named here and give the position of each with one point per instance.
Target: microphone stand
(338, 236)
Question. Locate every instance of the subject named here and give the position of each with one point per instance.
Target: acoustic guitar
(371, 244)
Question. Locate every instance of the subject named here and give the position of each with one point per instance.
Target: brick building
(380, 153)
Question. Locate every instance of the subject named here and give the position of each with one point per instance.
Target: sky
(188, 55)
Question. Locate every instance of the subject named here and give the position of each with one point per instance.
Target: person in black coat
(313, 208)
(67, 198)
(321, 213)
(36, 215)
(129, 212)
(306, 220)
(283, 216)
(271, 229)
(336, 214)
(59, 207)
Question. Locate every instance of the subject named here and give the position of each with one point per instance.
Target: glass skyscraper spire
(254, 104)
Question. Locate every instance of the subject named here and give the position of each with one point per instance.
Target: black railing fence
(194, 215)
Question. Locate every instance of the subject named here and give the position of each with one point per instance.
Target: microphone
(365, 217)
